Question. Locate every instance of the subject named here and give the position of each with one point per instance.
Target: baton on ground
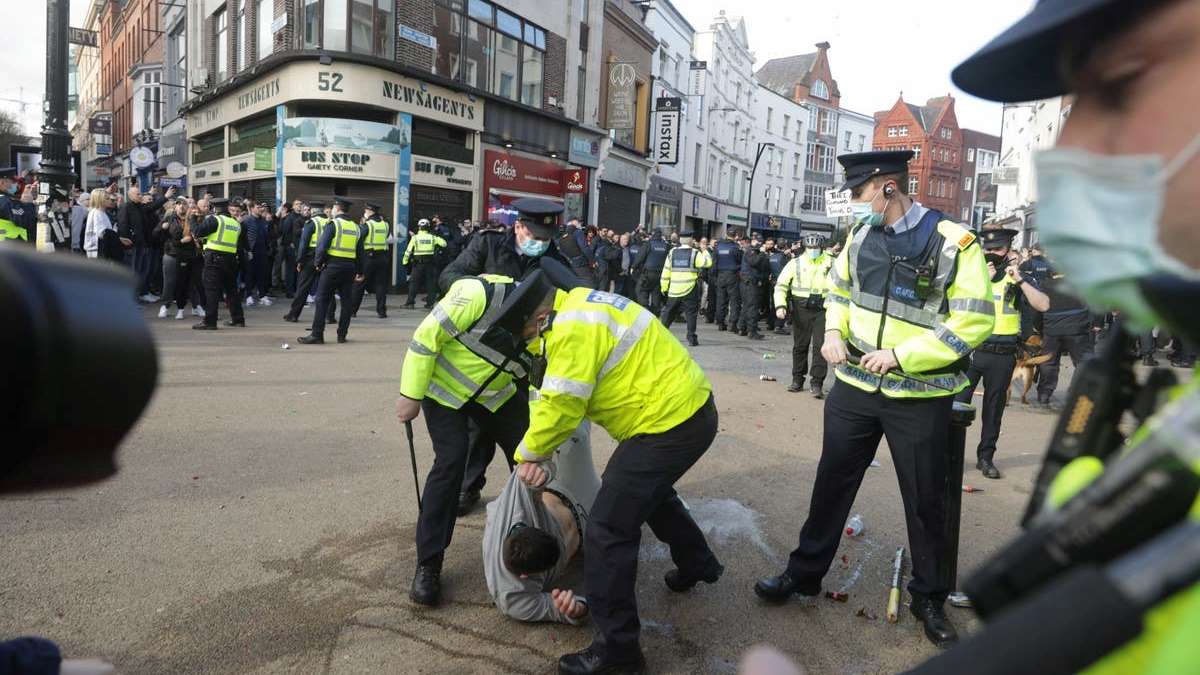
(893, 606)
(855, 360)
(412, 452)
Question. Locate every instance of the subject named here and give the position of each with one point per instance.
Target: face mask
(814, 253)
(12, 189)
(1098, 217)
(864, 213)
(534, 247)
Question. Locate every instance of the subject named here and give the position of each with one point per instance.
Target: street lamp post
(750, 197)
(56, 174)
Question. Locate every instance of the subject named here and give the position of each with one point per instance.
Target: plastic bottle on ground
(855, 526)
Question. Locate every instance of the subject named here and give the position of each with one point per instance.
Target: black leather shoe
(1149, 360)
(203, 326)
(756, 336)
(239, 324)
(382, 315)
(310, 340)
(590, 661)
(722, 327)
(817, 391)
(467, 501)
(938, 628)
(693, 341)
(680, 582)
(426, 586)
(796, 385)
(341, 339)
(989, 470)
(290, 319)
(780, 588)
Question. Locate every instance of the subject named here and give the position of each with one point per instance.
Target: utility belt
(424, 257)
(1002, 348)
(376, 253)
(811, 301)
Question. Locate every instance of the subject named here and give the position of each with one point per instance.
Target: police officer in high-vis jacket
(993, 361)
(339, 258)
(800, 289)
(18, 220)
(422, 252)
(728, 260)
(679, 285)
(377, 269)
(306, 251)
(225, 245)
(649, 265)
(910, 293)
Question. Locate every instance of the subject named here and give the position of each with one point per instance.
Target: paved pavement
(263, 522)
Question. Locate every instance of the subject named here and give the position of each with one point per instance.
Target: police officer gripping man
(679, 285)
(339, 258)
(994, 360)
(226, 243)
(377, 270)
(729, 296)
(306, 252)
(801, 289)
(910, 293)
(18, 220)
(422, 251)
(608, 359)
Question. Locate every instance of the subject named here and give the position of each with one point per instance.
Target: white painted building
(855, 134)
(1027, 128)
(719, 131)
(777, 196)
(664, 196)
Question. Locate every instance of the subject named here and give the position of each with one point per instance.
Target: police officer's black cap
(539, 215)
(316, 204)
(8, 172)
(1000, 237)
(1025, 62)
(522, 301)
(559, 275)
(218, 201)
(863, 166)
(372, 206)
(343, 202)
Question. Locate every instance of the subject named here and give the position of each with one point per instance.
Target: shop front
(509, 176)
(779, 228)
(585, 152)
(664, 200)
(702, 216)
(622, 187)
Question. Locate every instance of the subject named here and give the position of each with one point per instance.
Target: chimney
(822, 46)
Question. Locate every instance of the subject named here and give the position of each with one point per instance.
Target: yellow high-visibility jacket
(423, 245)
(681, 270)
(611, 360)
(801, 277)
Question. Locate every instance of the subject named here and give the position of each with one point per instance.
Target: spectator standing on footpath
(179, 260)
(135, 220)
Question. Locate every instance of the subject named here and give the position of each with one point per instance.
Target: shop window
(531, 77)
(312, 24)
(221, 28)
(208, 147)
(504, 78)
(254, 133)
(360, 26)
(499, 52)
(430, 139)
(264, 16)
(477, 55)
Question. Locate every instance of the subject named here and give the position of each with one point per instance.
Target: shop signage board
(442, 173)
(264, 159)
(82, 37)
(350, 83)
(666, 131)
(574, 181)
(100, 125)
(521, 174)
(622, 96)
(697, 77)
(585, 149)
(334, 163)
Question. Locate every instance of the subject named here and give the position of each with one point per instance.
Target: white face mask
(1098, 217)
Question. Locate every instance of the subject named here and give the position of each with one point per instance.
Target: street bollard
(961, 417)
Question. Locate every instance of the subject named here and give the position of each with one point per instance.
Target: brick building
(931, 131)
(131, 55)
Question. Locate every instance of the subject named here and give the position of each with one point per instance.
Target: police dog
(1029, 357)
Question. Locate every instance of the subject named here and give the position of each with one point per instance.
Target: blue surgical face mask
(12, 188)
(814, 253)
(1098, 218)
(534, 247)
(864, 213)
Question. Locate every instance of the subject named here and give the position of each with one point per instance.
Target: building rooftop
(781, 75)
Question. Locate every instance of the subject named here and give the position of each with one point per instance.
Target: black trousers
(636, 488)
(376, 273)
(995, 370)
(808, 334)
(689, 304)
(765, 302)
(650, 290)
(305, 286)
(220, 277)
(751, 297)
(338, 275)
(1078, 346)
(482, 452)
(729, 298)
(710, 297)
(917, 432)
(448, 429)
(423, 279)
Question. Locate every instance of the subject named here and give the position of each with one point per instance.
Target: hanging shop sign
(574, 181)
(697, 77)
(666, 132)
(622, 96)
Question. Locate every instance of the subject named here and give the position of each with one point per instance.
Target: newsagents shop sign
(348, 82)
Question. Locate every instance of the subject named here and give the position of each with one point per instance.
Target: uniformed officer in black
(339, 258)
(306, 250)
(574, 248)
(776, 258)
(633, 281)
(226, 247)
(727, 262)
(649, 264)
(754, 272)
(378, 266)
(994, 360)
(18, 219)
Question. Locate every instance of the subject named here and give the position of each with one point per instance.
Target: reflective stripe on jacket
(345, 239)
(423, 245)
(225, 239)
(377, 235)
(801, 277)
(684, 265)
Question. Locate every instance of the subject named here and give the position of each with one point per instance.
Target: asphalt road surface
(263, 521)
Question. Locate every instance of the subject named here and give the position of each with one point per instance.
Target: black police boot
(779, 589)
(467, 500)
(989, 470)
(426, 585)
(310, 340)
(341, 339)
(382, 315)
(680, 582)
(796, 385)
(239, 324)
(938, 628)
(203, 326)
(722, 327)
(756, 336)
(290, 319)
(693, 341)
(591, 660)
(1149, 360)
(816, 390)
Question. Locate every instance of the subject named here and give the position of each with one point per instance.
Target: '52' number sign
(329, 82)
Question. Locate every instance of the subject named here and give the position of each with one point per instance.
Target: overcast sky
(877, 51)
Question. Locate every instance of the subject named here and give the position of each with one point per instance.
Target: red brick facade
(931, 131)
(129, 36)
